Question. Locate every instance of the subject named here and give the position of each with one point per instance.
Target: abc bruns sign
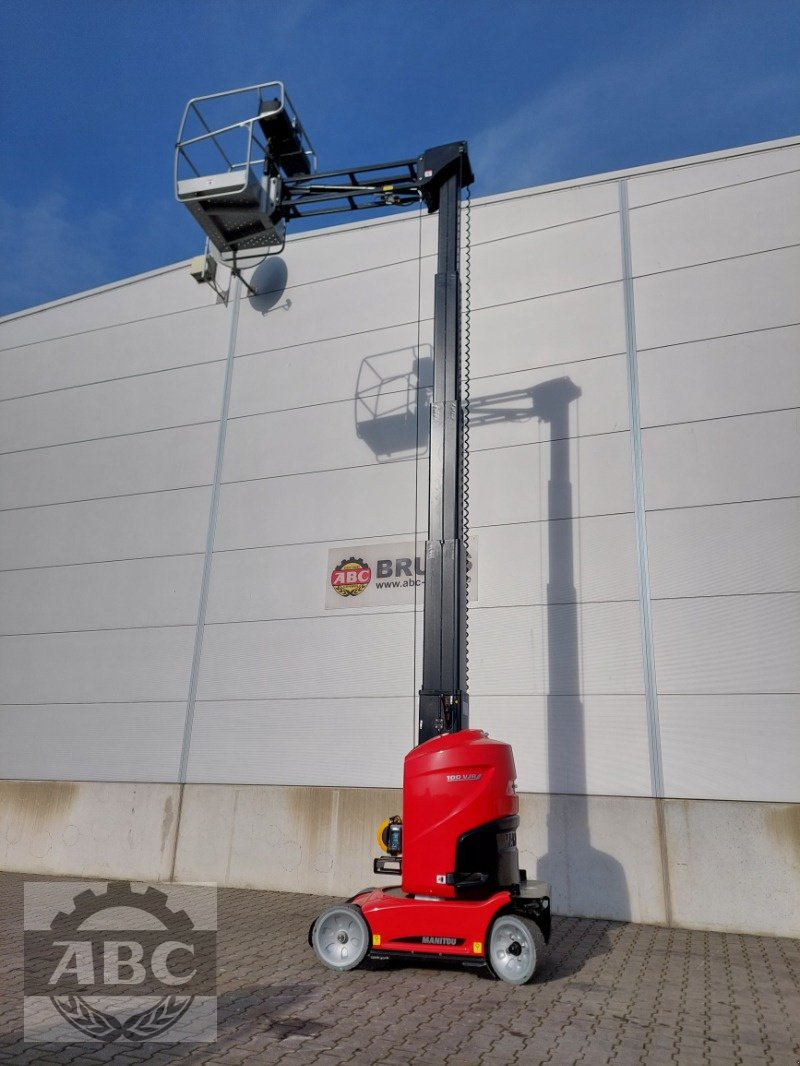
(383, 575)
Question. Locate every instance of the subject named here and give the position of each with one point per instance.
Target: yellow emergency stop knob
(382, 835)
(383, 831)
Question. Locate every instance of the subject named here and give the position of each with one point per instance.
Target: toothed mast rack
(269, 178)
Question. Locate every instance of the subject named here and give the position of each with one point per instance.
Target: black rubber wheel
(515, 948)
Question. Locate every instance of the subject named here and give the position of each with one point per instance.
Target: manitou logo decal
(436, 941)
(351, 577)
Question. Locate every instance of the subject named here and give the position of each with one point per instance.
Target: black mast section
(437, 176)
(443, 701)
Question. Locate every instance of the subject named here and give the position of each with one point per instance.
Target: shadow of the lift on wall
(585, 879)
(393, 392)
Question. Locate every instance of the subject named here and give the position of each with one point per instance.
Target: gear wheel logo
(351, 577)
(122, 964)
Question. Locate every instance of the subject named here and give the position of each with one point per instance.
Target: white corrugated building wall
(177, 701)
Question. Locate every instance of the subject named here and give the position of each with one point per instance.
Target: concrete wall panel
(547, 261)
(335, 307)
(718, 299)
(137, 592)
(267, 837)
(565, 744)
(751, 373)
(548, 330)
(729, 460)
(515, 564)
(103, 354)
(129, 405)
(318, 438)
(339, 505)
(116, 466)
(108, 666)
(327, 371)
(730, 644)
(284, 839)
(510, 484)
(165, 292)
(509, 649)
(728, 222)
(108, 830)
(599, 853)
(130, 527)
(305, 659)
(92, 742)
(689, 177)
(731, 747)
(520, 408)
(523, 213)
(285, 742)
(734, 866)
(733, 549)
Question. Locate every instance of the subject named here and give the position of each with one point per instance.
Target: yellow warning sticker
(477, 947)
(376, 940)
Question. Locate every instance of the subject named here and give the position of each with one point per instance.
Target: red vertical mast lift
(462, 895)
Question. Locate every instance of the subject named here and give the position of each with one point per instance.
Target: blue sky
(91, 93)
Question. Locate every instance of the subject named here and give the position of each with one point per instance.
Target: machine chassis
(406, 927)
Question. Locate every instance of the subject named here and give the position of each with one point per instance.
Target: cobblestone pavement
(609, 992)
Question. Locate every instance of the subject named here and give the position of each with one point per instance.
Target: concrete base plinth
(696, 864)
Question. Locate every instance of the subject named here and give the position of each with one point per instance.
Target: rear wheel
(516, 948)
(340, 937)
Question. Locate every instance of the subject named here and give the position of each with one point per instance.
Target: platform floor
(609, 992)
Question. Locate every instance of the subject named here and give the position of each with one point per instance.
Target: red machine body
(400, 924)
(454, 785)
(463, 896)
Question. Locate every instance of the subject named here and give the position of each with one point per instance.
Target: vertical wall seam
(642, 557)
(209, 552)
(212, 528)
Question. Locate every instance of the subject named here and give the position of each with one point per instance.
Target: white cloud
(51, 250)
(47, 252)
(552, 133)
(607, 110)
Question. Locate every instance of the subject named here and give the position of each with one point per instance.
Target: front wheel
(340, 937)
(516, 948)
